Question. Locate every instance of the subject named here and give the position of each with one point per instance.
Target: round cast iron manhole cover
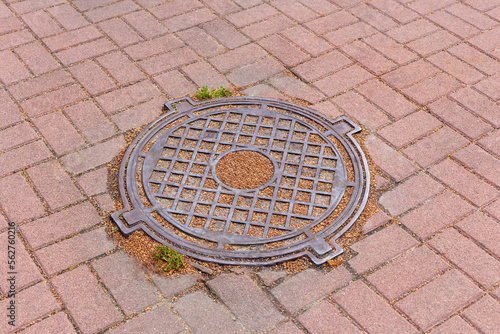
(247, 181)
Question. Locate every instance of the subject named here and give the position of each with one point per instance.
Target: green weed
(171, 257)
(203, 93)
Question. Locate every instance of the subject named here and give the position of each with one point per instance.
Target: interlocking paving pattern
(422, 76)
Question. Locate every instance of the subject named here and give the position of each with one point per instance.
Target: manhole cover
(244, 181)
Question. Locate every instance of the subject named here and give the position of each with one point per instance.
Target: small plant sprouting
(203, 93)
(171, 257)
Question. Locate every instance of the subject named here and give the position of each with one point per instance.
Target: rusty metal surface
(170, 189)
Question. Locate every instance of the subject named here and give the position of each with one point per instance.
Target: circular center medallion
(244, 169)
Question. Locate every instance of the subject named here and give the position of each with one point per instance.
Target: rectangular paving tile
(53, 100)
(9, 112)
(483, 229)
(343, 80)
(358, 107)
(432, 88)
(58, 131)
(14, 189)
(159, 319)
(16, 135)
(257, 313)
(23, 156)
(480, 162)
(58, 323)
(478, 104)
(454, 325)
(324, 318)
(368, 57)
(40, 84)
(252, 73)
(410, 74)
(485, 314)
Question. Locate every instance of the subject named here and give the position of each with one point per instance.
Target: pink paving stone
(263, 90)
(472, 16)
(203, 74)
(293, 87)
(466, 255)
(368, 57)
(391, 49)
(153, 47)
(84, 5)
(490, 86)
(295, 10)
(14, 189)
(435, 147)
(57, 323)
(287, 53)
(439, 299)
(171, 286)
(389, 160)
(238, 57)
(174, 8)
(267, 27)
(375, 221)
(381, 181)
(395, 10)
(90, 121)
(145, 24)
(15, 39)
(349, 33)
(113, 10)
(59, 133)
(343, 80)
(201, 42)
(410, 193)
(410, 74)
(370, 310)
(94, 182)
(159, 320)
(251, 15)
(495, 12)
(432, 88)
(105, 202)
(464, 182)
(454, 325)
(72, 38)
(53, 100)
(225, 33)
(269, 277)
(120, 67)
(223, 7)
(386, 98)
(478, 104)
(323, 65)
(407, 272)
(453, 24)
(85, 300)
(23, 7)
(480, 162)
(84, 51)
(356, 106)
(10, 24)
(412, 30)
(331, 22)
(59, 225)
(202, 314)
(459, 118)
(485, 315)
(68, 17)
(436, 214)
(17, 135)
(27, 273)
(12, 69)
(40, 84)
(168, 61)
(54, 184)
(409, 128)
(493, 209)
(120, 32)
(71, 252)
(373, 17)
(92, 78)
(126, 281)
(456, 68)
(427, 6)
(93, 156)
(41, 24)
(139, 115)
(482, 5)
(257, 71)
(37, 58)
(475, 58)
(190, 19)
(175, 84)
(287, 328)
(23, 156)
(483, 229)
(128, 96)
(436, 41)
(381, 247)
(324, 318)
(296, 292)
(257, 313)
(491, 142)
(40, 300)
(327, 108)
(487, 41)
(306, 40)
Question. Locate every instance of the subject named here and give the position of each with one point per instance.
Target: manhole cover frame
(319, 247)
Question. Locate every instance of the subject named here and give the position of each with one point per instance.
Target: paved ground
(423, 76)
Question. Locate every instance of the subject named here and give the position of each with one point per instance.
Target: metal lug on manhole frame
(170, 190)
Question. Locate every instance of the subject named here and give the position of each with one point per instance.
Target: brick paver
(420, 76)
